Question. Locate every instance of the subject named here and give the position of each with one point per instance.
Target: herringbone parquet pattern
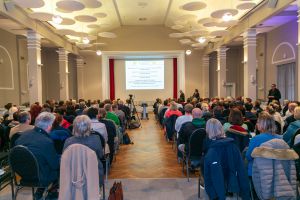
(151, 156)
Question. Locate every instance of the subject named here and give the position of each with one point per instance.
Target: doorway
(286, 80)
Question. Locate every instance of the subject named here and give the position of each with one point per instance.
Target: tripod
(133, 111)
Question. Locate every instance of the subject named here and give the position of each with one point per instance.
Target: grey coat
(274, 171)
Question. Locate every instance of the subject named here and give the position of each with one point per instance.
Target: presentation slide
(144, 74)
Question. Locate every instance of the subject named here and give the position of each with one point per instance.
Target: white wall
(143, 95)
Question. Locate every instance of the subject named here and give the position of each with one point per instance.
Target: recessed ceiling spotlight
(227, 17)
(201, 40)
(57, 19)
(99, 52)
(85, 40)
(142, 19)
(188, 52)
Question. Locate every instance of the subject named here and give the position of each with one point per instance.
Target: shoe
(201, 183)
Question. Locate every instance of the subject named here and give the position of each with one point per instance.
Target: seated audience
(272, 110)
(218, 114)
(187, 117)
(24, 125)
(173, 110)
(224, 170)
(111, 128)
(248, 112)
(257, 107)
(293, 127)
(97, 126)
(35, 110)
(15, 120)
(235, 119)
(41, 145)
(267, 128)
(120, 114)
(290, 115)
(188, 128)
(110, 114)
(82, 135)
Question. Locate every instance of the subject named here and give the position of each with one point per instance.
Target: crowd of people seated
(238, 131)
(48, 130)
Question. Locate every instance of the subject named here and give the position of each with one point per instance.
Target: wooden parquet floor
(151, 156)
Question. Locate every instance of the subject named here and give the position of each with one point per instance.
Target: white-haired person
(82, 135)
(292, 127)
(41, 145)
(173, 110)
(223, 165)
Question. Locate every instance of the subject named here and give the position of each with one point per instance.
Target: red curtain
(175, 78)
(112, 79)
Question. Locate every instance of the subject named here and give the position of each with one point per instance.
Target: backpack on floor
(127, 139)
(116, 191)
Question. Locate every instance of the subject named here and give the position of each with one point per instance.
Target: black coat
(276, 93)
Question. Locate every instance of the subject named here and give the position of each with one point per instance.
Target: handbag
(116, 191)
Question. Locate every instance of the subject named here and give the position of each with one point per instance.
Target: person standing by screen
(274, 94)
(181, 96)
(196, 94)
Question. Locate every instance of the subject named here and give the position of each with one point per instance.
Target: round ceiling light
(67, 21)
(220, 13)
(30, 3)
(85, 40)
(193, 6)
(56, 19)
(99, 52)
(201, 40)
(100, 15)
(188, 52)
(227, 17)
(85, 18)
(92, 3)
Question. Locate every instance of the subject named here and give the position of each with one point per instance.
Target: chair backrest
(14, 138)
(24, 163)
(161, 115)
(196, 143)
(101, 138)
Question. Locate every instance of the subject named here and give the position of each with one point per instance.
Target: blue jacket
(291, 130)
(224, 170)
(42, 147)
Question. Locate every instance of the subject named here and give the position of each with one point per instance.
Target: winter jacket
(291, 130)
(77, 174)
(274, 172)
(224, 170)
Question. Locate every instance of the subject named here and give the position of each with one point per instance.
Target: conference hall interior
(149, 99)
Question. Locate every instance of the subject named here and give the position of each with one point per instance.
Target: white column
(221, 70)
(63, 74)
(205, 75)
(34, 67)
(250, 63)
(80, 79)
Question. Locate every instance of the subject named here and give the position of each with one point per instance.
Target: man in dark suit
(274, 94)
(41, 145)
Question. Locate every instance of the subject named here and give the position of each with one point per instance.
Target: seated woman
(173, 110)
(235, 121)
(82, 135)
(292, 128)
(224, 170)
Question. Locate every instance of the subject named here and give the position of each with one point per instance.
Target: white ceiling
(190, 19)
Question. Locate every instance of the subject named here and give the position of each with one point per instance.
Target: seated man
(110, 114)
(188, 128)
(111, 131)
(25, 120)
(41, 145)
(187, 117)
(96, 125)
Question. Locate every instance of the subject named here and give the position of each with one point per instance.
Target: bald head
(197, 113)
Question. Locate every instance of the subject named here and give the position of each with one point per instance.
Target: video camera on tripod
(135, 121)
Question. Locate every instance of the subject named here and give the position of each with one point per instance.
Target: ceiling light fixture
(99, 52)
(85, 40)
(188, 52)
(57, 19)
(201, 40)
(227, 17)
